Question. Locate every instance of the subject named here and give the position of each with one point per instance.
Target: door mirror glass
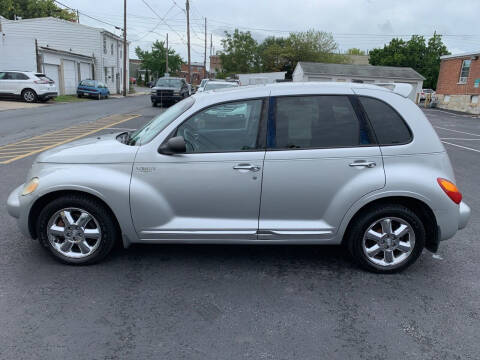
(174, 145)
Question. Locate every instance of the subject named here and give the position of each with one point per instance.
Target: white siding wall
(67, 36)
(17, 53)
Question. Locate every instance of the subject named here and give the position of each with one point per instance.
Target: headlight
(30, 187)
(154, 91)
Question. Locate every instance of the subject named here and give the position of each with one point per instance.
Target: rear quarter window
(388, 125)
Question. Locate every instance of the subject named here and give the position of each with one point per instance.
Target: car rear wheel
(79, 95)
(77, 229)
(386, 239)
(29, 95)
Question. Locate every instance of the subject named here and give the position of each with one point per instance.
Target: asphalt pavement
(235, 302)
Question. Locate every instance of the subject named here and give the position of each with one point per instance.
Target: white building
(369, 74)
(65, 51)
(260, 78)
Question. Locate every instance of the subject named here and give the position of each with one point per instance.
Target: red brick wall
(450, 73)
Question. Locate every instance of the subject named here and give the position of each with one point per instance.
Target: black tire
(357, 229)
(97, 209)
(154, 104)
(79, 95)
(29, 96)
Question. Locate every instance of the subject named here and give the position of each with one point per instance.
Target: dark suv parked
(169, 90)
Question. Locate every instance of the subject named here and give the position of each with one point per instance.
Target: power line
(91, 17)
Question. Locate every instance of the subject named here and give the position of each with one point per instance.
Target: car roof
(283, 89)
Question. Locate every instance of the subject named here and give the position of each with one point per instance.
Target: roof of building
(63, 52)
(471, 53)
(50, 18)
(369, 71)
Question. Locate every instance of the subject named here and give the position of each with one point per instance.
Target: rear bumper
(463, 215)
(47, 95)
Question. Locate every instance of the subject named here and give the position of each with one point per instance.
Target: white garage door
(52, 71)
(69, 77)
(85, 71)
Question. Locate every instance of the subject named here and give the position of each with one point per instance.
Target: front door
(210, 193)
(321, 159)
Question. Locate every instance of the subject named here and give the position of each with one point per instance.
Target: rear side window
(304, 122)
(387, 124)
(20, 76)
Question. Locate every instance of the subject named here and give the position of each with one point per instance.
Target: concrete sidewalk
(13, 105)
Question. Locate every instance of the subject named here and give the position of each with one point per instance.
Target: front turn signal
(30, 187)
(451, 190)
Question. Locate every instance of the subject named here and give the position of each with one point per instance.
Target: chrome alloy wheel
(29, 96)
(388, 242)
(74, 233)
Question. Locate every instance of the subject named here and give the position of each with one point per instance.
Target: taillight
(41, 81)
(451, 190)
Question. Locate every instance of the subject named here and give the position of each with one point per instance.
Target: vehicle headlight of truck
(30, 187)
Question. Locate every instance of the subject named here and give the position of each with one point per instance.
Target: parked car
(169, 90)
(202, 85)
(93, 88)
(27, 85)
(290, 163)
(214, 85)
(424, 93)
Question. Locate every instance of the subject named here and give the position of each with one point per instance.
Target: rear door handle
(363, 163)
(248, 167)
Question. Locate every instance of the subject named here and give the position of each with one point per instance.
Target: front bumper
(13, 202)
(19, 206)
(165, 98)
(463, 215)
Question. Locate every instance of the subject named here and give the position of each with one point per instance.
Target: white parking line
(460, 146)
(457, 131)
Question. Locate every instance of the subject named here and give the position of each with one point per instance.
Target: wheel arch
(418, 206)
(28, 88)
(45, 198)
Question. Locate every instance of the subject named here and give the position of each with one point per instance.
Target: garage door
(85, 71)
(69, 77)
(52, 71)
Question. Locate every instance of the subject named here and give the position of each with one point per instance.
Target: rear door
(321, 158)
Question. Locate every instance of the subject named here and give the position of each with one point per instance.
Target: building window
(111, 49)
(104, 45)
(120, 50)
(105, 70)
(465, 71)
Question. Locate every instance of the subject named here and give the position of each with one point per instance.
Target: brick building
(215, 65)
(458, 86)
(198, 73)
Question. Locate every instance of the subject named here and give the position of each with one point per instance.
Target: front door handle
(363, 163)
(248, 167)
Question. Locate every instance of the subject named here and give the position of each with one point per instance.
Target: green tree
(155, 60)
(355, 51)
(240, 53)
(271, 53)
(28, 9)
(415, 53)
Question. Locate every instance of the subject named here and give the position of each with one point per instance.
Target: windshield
(212, 86)
(169, 82)
(160, 122)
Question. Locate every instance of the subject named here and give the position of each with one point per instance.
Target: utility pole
(124, 47)
(166, 59)
(78, 17)
(205, 53)
(211, 44)
(187, 6)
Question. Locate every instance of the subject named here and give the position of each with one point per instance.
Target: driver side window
(227, 127)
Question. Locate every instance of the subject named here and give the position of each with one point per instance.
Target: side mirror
(174, 145)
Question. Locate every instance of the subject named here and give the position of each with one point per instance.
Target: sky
(365, 24)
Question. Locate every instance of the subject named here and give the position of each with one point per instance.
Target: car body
(425, 92)
(169, 90)
(93, 88)
(289, 163)
(202, 84)
(216, 84)
(27, 85)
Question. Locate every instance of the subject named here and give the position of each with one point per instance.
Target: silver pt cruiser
(298, 163)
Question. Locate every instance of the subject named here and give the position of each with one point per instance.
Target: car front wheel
(29, 96)
(386, 239)
(77, 229)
